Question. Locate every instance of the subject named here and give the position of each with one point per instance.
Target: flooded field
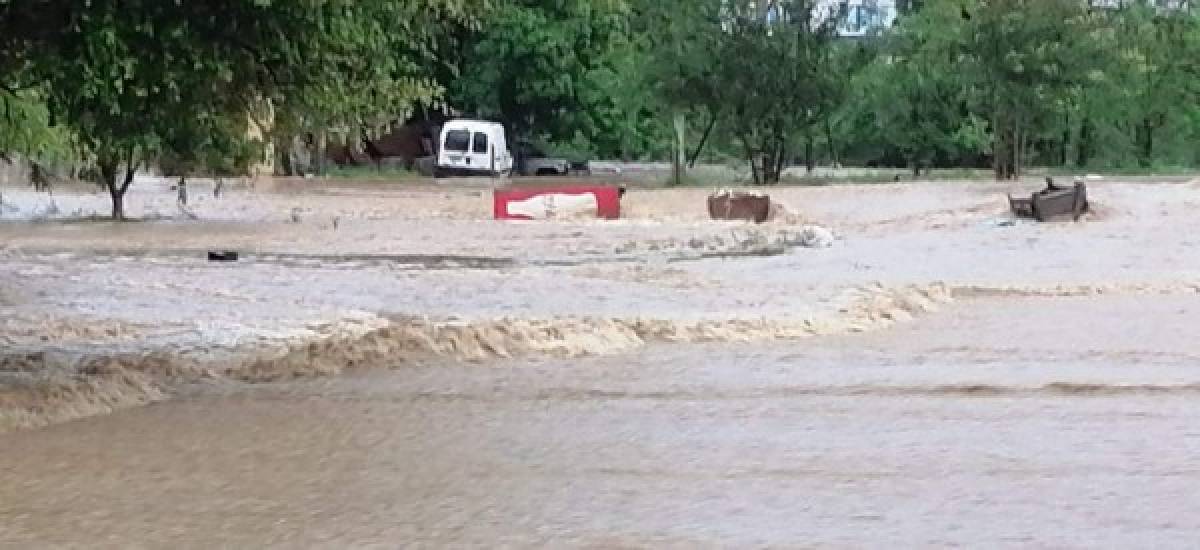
(415, 374)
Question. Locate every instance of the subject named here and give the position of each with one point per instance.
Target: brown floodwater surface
(981, 426)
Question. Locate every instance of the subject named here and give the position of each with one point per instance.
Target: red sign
(557, 202)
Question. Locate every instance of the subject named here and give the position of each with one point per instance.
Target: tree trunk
(109, 175)
(108, 178)
(1006, 150)
(130, 172)
(109, 171)
(284, 154)
(1084, 148)
(1146, 143)
(322, 153)
(834, 157)
(1063, 157)
(1027, 152)
(678, 158)
(999, 152)
(770, 160)
(1015, 144)
(810, 160)
(118, 204)
(998, 158)
(753, 158)
(712, 122)
(780, 160)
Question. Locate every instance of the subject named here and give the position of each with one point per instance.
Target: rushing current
(980, 426)
(386, 366)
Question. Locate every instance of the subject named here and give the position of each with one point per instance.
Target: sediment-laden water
(982, 425)
(389, 367)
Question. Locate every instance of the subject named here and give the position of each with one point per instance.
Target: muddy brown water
(982, 426)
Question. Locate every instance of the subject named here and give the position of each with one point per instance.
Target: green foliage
(214, 144)
(563, 71)
(1156, 83)
(25, 130)
(369, 62)
(1023, 82)
(766, 75)
(1027, 61)
(372, 62)
(909, 99)
(134, 79)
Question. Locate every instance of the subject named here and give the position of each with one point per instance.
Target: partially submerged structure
(739, 205)
(1055, 202)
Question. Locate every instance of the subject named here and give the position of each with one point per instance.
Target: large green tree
(1024, 60)
(777, 82)
(134, 78)
(1161, 85)
(125, 75)
(1009, 80)
(911, 99)
(550, 69)
(680, 37)
(377, 60)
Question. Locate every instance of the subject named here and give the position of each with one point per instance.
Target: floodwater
(1049, 422)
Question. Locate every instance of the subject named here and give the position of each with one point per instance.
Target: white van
(473, 147)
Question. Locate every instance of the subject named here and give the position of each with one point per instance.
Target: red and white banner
(557, 202)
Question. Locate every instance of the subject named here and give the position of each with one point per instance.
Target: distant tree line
(1002, 84)
(1006, 84)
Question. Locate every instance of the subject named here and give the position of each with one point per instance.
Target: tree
(546, 69)
(213, 144)
(136, 77)
(1162, 55)
(911, 98)
(1006, 79)
(377, 60)
(125, 75)
(1024, 60)
(26, 127)
(680, 36)
(776, 73)
(26, 130)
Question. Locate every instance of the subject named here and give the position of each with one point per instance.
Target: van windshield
(458, 140)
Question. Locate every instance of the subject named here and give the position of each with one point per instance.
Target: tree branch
(130, 170)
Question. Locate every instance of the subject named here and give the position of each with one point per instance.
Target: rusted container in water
(739, 206)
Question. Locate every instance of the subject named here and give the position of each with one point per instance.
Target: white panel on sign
(555, 205)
